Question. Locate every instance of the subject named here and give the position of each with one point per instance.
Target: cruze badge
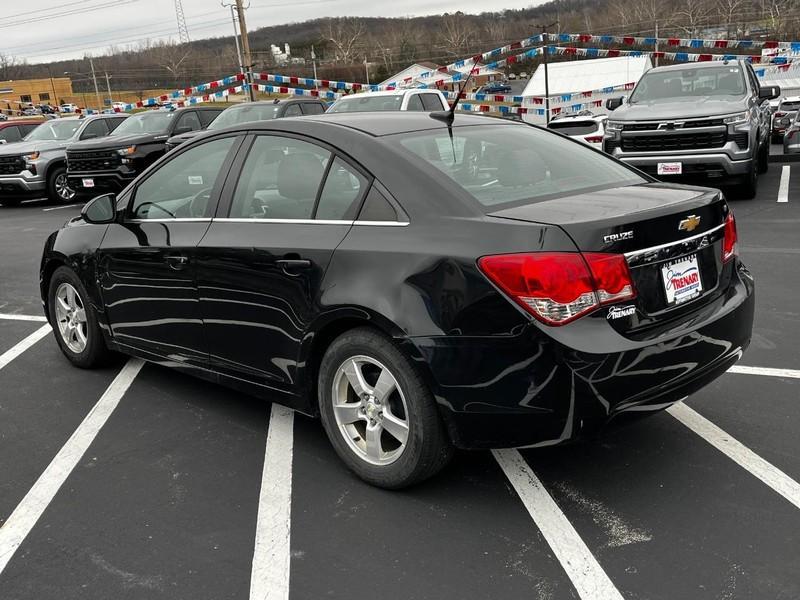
(617, 312)
(617, 237)
(690, 223)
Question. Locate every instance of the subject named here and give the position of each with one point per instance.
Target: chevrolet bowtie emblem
(690, 223)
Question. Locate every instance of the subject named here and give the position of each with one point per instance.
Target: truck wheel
(58, 189)
(763, 159)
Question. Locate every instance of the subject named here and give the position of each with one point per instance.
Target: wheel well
(53, 165)
(47, 275)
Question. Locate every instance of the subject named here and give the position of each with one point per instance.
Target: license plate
(682, 280)
(670, 168)
(88, 183)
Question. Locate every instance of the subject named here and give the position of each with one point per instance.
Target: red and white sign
(670, 168)
(682, 280)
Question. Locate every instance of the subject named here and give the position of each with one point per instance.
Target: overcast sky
(57, 29)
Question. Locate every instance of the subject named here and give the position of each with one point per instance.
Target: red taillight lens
(780, 114)
(729, 242)
(559, 287)
(594, 139)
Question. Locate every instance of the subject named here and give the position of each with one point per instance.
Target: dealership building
(51, 90)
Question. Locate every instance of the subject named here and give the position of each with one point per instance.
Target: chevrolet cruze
(420, 285)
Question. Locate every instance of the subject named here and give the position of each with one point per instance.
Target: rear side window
(415, 103)
(790, 106)
(10, 134)
(431, 102)
(343, 188)
(113, 124)
(505, 164)
(377, 208)
(574, 127)
(311, 108)
(95, 129)
(190, 121)
(293, 110)
(280, 179)
(207, 117)
(26, 129)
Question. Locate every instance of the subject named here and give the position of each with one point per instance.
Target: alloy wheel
(370, 410)
(63, 191)
(71, 318)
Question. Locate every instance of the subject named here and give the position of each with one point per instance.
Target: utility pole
(655, 56)
(96, 89)
(52, 86)
(248, 61)
(314, 62)
(236, 39)
(545, 41)
(366, 68)
(108, 86)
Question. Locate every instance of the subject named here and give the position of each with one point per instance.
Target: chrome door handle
(291, 264)
(177, 262)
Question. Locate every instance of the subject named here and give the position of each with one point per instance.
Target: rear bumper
(532, 390)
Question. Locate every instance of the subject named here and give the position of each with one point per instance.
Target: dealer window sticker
(195, 180)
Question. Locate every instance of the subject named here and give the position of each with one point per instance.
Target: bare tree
(171, 57)
(344, 35)
(11, 67)
(496, 31)
(727, 11)
(622, 12)
(456, 34)
(690, 15)
(776, 12)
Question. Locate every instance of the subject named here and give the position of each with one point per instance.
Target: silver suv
(704, 121)
(36, 166)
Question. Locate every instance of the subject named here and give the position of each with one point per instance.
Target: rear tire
(763, 159)
(393, 393)
(58, 189)
(75, 322)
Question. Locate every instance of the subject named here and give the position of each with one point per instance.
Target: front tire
(74, 321)
(58, 189)
(378, 412)
(748, 189)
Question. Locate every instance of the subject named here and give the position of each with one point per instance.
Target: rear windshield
(245, 114)
(657, 86)
(507, 164)
(574, 127)
(366, 104)
(793, 105)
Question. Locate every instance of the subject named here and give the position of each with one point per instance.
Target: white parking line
(13, 317)
(586, 574)
(60, 207)
(738, 452)
(769, 372)
(28, 511)
(29, 341)
(269, 579)
(783, 190)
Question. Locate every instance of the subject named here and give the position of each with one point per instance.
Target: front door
(147, 268)
(261, 265)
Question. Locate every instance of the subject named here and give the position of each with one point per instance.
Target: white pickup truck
(412, 99)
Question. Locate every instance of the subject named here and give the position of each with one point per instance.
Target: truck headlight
(613, 126)
(33, 155)
(737, 119)
(126, 151)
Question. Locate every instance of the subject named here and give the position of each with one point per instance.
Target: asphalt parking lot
(190, 491)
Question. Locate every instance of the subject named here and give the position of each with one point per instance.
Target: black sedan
(418, 286)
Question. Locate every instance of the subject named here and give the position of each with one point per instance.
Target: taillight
(594, 139)
(729, 241)
(559, 287)
(780, 114)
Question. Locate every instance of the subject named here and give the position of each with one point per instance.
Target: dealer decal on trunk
(682, 280)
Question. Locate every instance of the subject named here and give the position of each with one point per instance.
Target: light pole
(108, 86)
(96, 89)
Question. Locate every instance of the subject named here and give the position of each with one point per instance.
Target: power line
(77, 11)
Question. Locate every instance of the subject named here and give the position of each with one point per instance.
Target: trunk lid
(665, 231)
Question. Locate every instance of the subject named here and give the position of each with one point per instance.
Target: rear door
(147, 267)
(261, 264)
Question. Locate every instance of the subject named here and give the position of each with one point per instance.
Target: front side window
(689, 83)
(244, 113)
(312, 108)
(415, 103)
(54, 130)
(293, 110)
(504, 164)
(280, 179)
(94, 129)
(10, 134)
(365, 103)
(181, 188)
(149, 122)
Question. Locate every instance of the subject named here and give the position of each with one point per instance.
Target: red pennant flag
(770, 44)
(584, 38)
(628, 41)
(570, 50)
(357, 86)
(515, 46)
(705, 57)
(613, 53)
(658, 54)
(673, 42)
(721, 44)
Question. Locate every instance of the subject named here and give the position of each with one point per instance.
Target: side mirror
(182, 130)
(769, 92)
(100, 210)
(3, 142)
(613, 103)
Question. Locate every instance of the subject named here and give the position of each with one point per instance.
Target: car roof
(397, 92)
(379, 124)
(694, 65)
(791, 99)
(9, 123)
